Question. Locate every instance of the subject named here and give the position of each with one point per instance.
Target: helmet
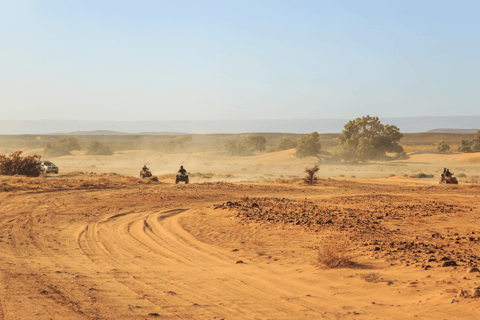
(181, 167)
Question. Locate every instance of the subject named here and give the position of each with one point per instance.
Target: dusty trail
(134, 253)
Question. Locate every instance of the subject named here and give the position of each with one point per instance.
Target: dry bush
(16, 164)
(371, 276)
(334, 254)
(311, 172)
(257, 243)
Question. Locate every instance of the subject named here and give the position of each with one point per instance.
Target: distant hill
(111, 133)
(301, 126)
(453, 130)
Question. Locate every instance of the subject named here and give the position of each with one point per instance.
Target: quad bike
(181, 177)
(449, 180)
(145, 174)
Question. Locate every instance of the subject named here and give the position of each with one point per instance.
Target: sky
(224, 60)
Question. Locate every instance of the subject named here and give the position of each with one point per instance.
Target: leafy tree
(309, 146)
(255, 142)
(285, 143)
(62, 147)
(442, 146)
(465, 146)
(367, 138)
(98, 148)
(16, 164)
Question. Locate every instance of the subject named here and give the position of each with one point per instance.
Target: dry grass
(333, 253)
(371, 277)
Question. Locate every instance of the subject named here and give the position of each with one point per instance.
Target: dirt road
(169, 251)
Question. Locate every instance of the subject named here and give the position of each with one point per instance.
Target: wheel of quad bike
(186, 181)
(176, 181)
(142, 176)
(440, 182)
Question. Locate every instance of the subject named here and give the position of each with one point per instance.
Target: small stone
(475, 292)
(154, 314)
(462, 294)
(473, 269)
(239, 261)
(452, 301)
(450, 263)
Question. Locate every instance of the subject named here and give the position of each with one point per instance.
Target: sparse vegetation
(371, 276)
(61, 147)
(15, 164)
(367, 138)
(285, 143)
(247, 146)
(422, 175)
(442, 146)
(98, 148)
(311, 172)
(309, 146)
(470, 145)
(334, 254)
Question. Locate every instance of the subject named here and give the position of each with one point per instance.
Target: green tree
(98, 148)
(465, 146)
(285, 143)
(442, 146)
(255, 142)
(308, 146)
(367, 138)
(62, 147)
(237, 148)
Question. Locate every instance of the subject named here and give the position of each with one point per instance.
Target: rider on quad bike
(145, 173)
(182, 176)
(182, 171)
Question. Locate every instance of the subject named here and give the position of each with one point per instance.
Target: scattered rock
(473, 269)
(452, 301)
(235, 250)
(154, 314)
(475, 293)
(450, 263)
(462, 294)
(239, 261)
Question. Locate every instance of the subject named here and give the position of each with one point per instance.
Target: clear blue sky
(175, 60)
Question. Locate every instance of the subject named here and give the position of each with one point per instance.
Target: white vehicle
(49, 167)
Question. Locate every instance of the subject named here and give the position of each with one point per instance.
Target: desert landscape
(245, 239)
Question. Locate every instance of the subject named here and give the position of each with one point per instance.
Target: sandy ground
(101, 246)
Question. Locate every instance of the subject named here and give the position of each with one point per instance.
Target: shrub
(461, 175)
(98, 148)
(423, 175)
(465, 146)
(442, 146)
(309, 146)
(311, 172)
(285, 143)
(16, 164)
(61, 147)
(255, 142)
(371, 277)
(334, 255)
(247, 146)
